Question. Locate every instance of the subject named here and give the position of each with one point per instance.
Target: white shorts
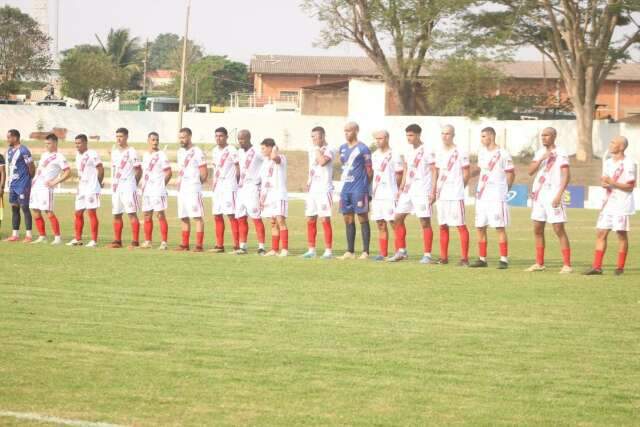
(613, 222)
(87, 201)
(419, 206)
(124, 202)
(224, 202)
(544, 212)
(383, 210)
(319, 204)
(451, 213)
(275, 207)
(190, 205)
(154, 203)
(41, 199)
(493, 214)
(248, 203)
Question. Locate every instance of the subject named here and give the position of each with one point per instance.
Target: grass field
(147, 338)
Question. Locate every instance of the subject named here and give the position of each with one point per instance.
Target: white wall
(367, 98)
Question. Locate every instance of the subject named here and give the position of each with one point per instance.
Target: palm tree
(123, 49)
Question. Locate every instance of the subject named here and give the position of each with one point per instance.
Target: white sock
(504, 259)
(483, 258)
(28, 234)
(260, 245)
(312, 250)
(243, 245)
(427, 254)
(15, 233)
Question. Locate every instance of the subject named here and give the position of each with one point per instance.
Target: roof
(161, 74)
(633, 120)
(359, 66)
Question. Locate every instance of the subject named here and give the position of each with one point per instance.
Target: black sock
(365, 229)
(351, 237)
(27, 218)
(15, 217)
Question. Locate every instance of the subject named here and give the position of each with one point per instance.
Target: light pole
(184, 65)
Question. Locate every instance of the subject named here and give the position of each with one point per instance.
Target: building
(160, 78)
(319, 84)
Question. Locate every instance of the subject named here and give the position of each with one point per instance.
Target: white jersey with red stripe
(450, 164)
(190, 161)
(549, 177)
(320, 177)
(250, 164)
(87, 166)
(49, 167)
(418, 181)
(154, 166)
(385, 166)
(224, 168)
(492, 183)
(123, 165)
(618, 202)
(273, 177)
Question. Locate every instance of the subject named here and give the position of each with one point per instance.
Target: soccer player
(496, 177)
(248, 203)
(20, 173)
(125, 176)
(319, 202)
(155, 177)
(193, 173)
(226, 173)
(619, 180)
(452, 176)
(551, 167)
(2, 182)
(274, 199)
(387, 174)
(357, 173)
(90, 177)
(416, 187)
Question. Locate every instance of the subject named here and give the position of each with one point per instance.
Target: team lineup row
(251, 183)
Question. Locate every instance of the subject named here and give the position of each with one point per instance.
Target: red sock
(622, 259)
(117, 229)
(504, 249)
(312, 231)
(284, 238)
(328, 233)
(93, 221)
(148, 229)
(540, 255)
(219, 219)
(427, 239)
(463, 232)
(597, 259)
(235, 232)
(401, 237)
(199, 238)
(135, 229)
(275, 242)
(444, 241)
(566, 256)
(55, 224)
(259, 230)
(383, 242)
(243, 229)
(482, 248)
(185, 239)
(40, 226)
(79, 225)
(164, 228)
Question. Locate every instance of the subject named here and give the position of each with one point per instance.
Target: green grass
(149, 338)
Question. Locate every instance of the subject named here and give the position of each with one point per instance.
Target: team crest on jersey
(360, 203)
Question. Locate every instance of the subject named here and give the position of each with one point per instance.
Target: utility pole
(184, 65)
(144, 75)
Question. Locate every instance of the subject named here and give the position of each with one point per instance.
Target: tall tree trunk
(584, 121)
(406, 97)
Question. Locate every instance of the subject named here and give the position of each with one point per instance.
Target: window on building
(288, 94)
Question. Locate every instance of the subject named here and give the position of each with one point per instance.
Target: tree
(161, 50)
(584, 39)
(125, 53)
(409, 26)
(194, 54)
(24, 48)
(91, 76)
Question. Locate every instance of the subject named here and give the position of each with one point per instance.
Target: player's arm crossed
(321, 158)
(609, 183)
(535, 164)
(66, 173)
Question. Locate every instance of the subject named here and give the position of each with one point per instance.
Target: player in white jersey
(156, 174)
(52, 170)
(416, 187)
(387, 173)
(497, 173)
(550, 165)
(273, 196)
(618, 179)
(193, 173)
(452, 176)
(90, 175)
(126, 172)
(248, 202)
(319, 201)
(226, 173)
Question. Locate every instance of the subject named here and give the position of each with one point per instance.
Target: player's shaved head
(622, 140)
(244, 133)
(449, 128)
(352, 126)
(550, 130)
(381, 133)
(351, 132)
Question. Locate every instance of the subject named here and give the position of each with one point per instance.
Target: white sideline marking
(55, 420)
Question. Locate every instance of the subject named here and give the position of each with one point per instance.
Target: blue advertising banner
(518, 195)
(574, 197)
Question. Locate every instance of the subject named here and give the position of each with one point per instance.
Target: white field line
(30, 416)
